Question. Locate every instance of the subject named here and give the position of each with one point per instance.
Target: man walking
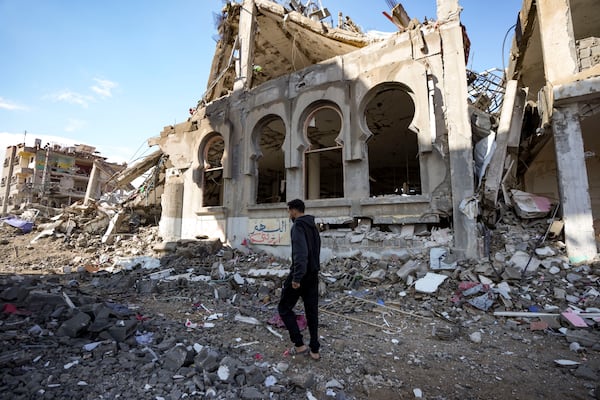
(303, 280)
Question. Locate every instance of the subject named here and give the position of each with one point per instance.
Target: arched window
(393, 148)
(212, 177)
(324, 169)
(269, 135)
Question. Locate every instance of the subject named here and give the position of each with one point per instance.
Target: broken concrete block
(409, 268)
(441, 236)
(511, 273)
(304, 381)
(123, 329)
(376, 236)
(263, 272)
(559, 293)
(75, 325)
(521, 260)
(538, 326)
(554, 270)
(483, 302)
(14, 294)
(252, 393)
(377, 276)
(206, 360)
(357, 238)
(253, 375)
(545, 252)
(528, 205)
(551, 321)
(165, 247)
(177, 357)
(584, 338)
(429, 283)
(440, 259)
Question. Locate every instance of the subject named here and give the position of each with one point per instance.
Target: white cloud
(9, 105)
(72, 97)
(104, 87)
(74, 125)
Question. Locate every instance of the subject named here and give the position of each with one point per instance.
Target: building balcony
(18, 170)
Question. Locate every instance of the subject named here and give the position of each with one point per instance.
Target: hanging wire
(504, 42)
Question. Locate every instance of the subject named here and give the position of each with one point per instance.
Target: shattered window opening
(323, 158)
(270, 163)
(394, 166)
(212, 182)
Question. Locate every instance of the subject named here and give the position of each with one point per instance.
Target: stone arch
(322, 127)
(268, 137)
(388, 112)
(211, 156)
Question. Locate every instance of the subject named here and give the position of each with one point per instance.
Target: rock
(14, 294)
(357, 238)
(74, 326)
(440, 259)
(253, 375)
(252, 393)
(545, 252)
(176, 358)
(334, 384)
(585, 372)
(521, 260)
(475, 337)
(304, 381)
(409, 268)
(207, 360)
(377, 276)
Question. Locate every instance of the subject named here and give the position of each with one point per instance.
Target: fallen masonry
(193, 318)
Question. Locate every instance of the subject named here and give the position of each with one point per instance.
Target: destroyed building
(377, 134)
(54, 175)
(357, 126)
(547, 142)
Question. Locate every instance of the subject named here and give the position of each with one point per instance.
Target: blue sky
(113, 73)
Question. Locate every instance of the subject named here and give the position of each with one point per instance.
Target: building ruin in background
(54, 175)
(378, 134)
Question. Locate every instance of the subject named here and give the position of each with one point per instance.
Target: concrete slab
(429, 283)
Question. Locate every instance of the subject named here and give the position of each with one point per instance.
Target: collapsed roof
(286, 40)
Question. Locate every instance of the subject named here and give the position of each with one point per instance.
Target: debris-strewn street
(142, 319)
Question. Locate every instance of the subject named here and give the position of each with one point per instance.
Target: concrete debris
(429, 283)
(528, 205)
(195, 317)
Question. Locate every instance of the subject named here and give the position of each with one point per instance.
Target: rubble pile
(84, 317)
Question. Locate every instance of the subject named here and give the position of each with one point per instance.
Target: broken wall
(338, 121)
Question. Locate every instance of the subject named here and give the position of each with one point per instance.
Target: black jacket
(306, 247)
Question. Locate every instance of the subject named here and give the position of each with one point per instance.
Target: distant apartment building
(53, 175)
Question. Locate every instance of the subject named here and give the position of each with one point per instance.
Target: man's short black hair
(296, 204)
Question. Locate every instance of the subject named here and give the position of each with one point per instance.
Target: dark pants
(309, 291)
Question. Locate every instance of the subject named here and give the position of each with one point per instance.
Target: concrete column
(558, 40)
(246, 32)
(458, 125)
(573, 184)
(172, 206)
(558, 43)
(11, 162)
(313, 162)
(92, 184)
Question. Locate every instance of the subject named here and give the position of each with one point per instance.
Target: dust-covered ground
(83, 319)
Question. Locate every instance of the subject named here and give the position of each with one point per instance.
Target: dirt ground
(380, 341)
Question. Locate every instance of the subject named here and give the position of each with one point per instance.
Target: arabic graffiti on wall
(272, 231)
